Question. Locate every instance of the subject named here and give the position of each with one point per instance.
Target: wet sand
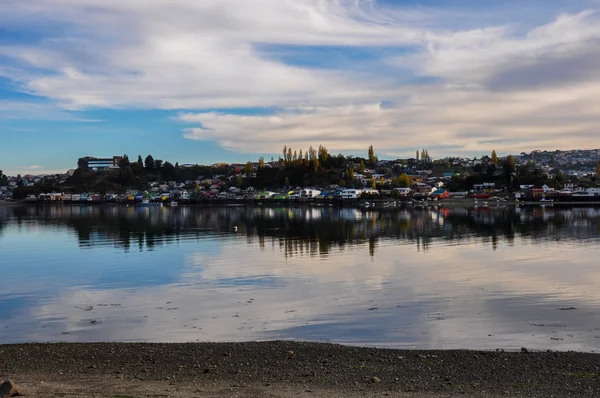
(286, 369)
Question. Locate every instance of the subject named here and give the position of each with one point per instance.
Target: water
(448, 278)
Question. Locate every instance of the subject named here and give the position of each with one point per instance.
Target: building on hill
(98, 164)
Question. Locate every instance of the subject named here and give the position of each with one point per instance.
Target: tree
(509, 166)
(404, 181)
(261, 162)
(315, 165)
(382, 181)
(140, 162)
(149, 162)
(124, 162)
(82, 164)
(240, 180)
(286, 183)
(249, 169)
(168, 170)
(494, 157)
(395, 182)
(158, 164)
(323, 154)
(417, 156)
(350, 174)
(362, 166)
(372, 157)
(373, 183)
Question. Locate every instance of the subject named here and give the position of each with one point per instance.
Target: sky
(231, 80)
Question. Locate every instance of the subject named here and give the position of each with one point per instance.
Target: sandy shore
(286, 369)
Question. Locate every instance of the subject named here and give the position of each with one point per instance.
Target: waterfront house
(310, 193)
(350, 193)
(440, 194)
(547, 189)
(486, 187)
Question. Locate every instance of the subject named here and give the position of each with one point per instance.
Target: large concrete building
(98, 164)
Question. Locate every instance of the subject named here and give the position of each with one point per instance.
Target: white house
(310, 193)
(594, 191)
(351, 193)
(547, 189)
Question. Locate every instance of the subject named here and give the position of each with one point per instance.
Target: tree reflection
(303, 231)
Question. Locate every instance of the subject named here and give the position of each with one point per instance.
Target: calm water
(450, 278)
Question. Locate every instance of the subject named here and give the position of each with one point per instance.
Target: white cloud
(510, 86)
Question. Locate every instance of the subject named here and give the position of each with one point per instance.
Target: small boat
(173, 204)
(145, 202)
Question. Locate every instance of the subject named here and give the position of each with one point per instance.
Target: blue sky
(225, 80)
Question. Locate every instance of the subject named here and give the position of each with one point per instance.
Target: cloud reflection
(449, 278)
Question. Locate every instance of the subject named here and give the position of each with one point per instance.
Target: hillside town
(537, 176)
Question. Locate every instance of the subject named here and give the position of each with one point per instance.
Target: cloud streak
(520, 86)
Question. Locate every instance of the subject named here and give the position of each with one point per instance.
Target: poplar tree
(494, 157)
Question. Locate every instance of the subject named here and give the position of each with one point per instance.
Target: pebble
(9, 389)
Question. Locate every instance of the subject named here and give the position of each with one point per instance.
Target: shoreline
(288, 368)
(376, 204)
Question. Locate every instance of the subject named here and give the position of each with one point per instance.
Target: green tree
(286, 183)
(168, 170)
(373, 183)
(124, 162)
(82, 164)
(404, 181)
(382, 181)
(140, 162)
(362, 166)
(372, 157)
(417, 155)
(158, 164)
(261, 162)
(395, 182)
(149, 162)
(240, 180)
(494, 157)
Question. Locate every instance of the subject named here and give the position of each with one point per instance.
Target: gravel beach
(286, 369)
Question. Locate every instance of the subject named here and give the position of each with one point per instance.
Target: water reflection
(474, 278)
(310, 231)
